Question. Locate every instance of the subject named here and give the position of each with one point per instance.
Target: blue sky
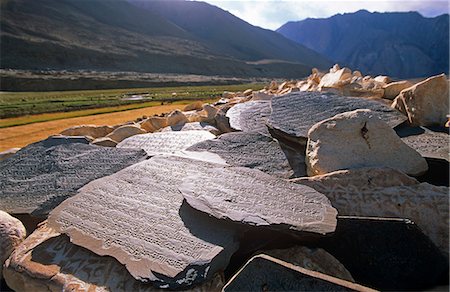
(272, 14)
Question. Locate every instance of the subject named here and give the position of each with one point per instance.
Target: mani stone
(359, 139)
(425, 103)
(137, 216)
(251, 150)
(195, 126)
(12, 233)
(294, 114)
(265, 273)
(39, 177)
(314, 259)
(386, 192)
(8, 153)
(427, 142)
(250, 116)
(387, 254)
(252, 197)
(48, 261)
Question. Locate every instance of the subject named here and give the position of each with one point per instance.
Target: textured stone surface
(176, 118)
(12, 233)
(426, 103)
(294, 114)
(60, 139)
(359, 139)
(265, 273)
(386, 254)
(250, 116)
(93, 131)
(39, 177)
(137, 216)
(153, 124)
(8, 153)
(252, 197)
(249, 149)
(166, 142)
(427, 142)
(392, 89)
(314, 259)
(385, 192)
(47, 260)
(105, 142)
(199, 126)
(124, 132)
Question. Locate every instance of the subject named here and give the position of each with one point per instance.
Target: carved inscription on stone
(249, 149)
(37, 178)
(250, 116)
(55, 263)
(294, 114)
(430, 144)
(195, 126)
(138, 217)
(253, 197)
(385, 192)
(165, 142)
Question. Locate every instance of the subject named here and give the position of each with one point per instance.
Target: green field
(16, 104)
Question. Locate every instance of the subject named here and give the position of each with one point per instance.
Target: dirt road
(20, 136)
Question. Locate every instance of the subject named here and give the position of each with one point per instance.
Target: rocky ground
(333, 183)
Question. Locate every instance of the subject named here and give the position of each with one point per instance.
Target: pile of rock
(271, 190)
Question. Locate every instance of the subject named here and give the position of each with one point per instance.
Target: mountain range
(183, 37)
(400, 44)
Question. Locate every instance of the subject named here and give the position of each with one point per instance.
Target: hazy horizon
(271, 14)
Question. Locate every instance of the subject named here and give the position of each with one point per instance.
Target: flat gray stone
(40, 176)
(138, 217)
(253, 150)
(195, 126)
(430, 144)
(265, 273)
(252, 197)
(250, 116)
(295, 113)
(165, 142)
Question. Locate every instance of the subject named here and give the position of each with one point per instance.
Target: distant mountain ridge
(166, 37)
(399, 44)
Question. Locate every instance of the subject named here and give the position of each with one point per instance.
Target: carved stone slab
(250, 116)
(265, 273)
(48, 261)
(294, 114)
(250, 149)
(138, 217)
(430, 144)
(165, 142)
(386, 254)
(37, 178)
(195, 126)
(253, 197)
(385, 192)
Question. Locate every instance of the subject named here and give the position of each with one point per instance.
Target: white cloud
(272, 14)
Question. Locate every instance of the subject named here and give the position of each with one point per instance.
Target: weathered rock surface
(427, 142)
(314, 259)
(258, 199)
(265, 273)
(253, 150)
(176, 118)
(166, 142)
(153, 124)
(60, 140)
(385, 192)
(294, 114)
(47, 260)
(93, 131)
(39, 177)
(124, 132)
(387, 254)
(8, 153)
(12, 233)
(105, 142)
(250, 116)
(359, 139)
(393, 89)
(336, 79)
(426, 103)
(196, 126)
(195, 106)
(137, 216)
